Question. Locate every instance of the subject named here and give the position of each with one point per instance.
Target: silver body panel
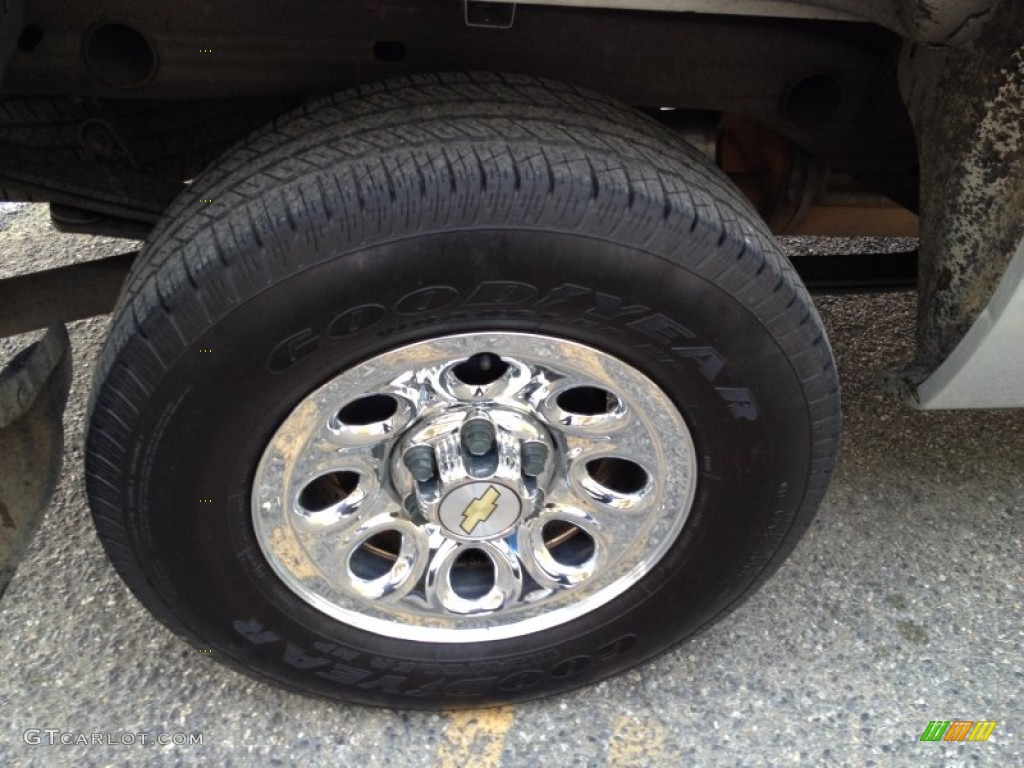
(986, 369)
(940, 21)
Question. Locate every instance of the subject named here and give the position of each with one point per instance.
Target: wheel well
(151, 105)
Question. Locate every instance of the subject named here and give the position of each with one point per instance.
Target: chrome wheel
(474, 487)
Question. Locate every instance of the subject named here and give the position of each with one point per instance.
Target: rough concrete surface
(902, 605)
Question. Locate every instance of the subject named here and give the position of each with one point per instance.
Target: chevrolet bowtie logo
(480, 509)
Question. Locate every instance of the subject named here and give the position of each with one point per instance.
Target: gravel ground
(902, 605)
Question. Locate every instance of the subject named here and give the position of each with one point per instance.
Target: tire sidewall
(197, 442)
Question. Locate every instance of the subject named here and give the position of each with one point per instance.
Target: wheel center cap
(481, 510)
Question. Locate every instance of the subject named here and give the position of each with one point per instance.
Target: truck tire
(457, 390)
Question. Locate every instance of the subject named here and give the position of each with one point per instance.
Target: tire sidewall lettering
(494, 295)
(373, 674)
(358, 318)
(429, 299)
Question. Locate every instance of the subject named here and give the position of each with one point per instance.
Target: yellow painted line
(474, 738)
(636, 742)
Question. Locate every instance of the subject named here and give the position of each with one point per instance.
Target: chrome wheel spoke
(482, 377)
(614, 529)
(580, 406)
(563, 546)
(473, 578)
(383, 559)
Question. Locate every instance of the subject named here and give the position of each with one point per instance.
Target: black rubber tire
(425, 207)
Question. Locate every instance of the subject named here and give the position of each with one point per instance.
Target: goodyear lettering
(603, 305)
(343, 674)
(254, 632)
(709, 363)
(740, 402)
(520, 681)
(662, 329)
(335, 650)
(609, 307)
(294, 348)
(616, 647)
(392, 665)
(571, 667)
(355, 319)
(562, 294)
(429, 689)
(391, 677)
(503, 292)
(510, 298)
(427, 299)
(296, 657)
(384, 684)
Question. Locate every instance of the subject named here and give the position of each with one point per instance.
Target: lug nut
(412, 507)
(478, 436)
(534, 457)
(420, 462)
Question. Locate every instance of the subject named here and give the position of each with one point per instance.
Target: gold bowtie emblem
(480, 509)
